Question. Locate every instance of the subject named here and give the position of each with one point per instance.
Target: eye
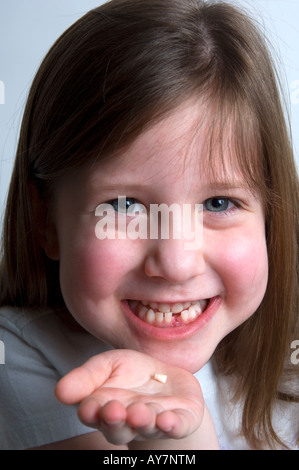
(219, 204)
(127, 205)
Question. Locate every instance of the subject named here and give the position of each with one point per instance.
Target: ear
(45, 228)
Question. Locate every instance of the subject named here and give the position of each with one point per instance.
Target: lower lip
(172, 333)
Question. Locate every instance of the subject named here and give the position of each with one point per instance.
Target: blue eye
(126, 205)
(218, 204)
(121, 204)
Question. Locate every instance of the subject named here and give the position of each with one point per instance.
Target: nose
(174, 261)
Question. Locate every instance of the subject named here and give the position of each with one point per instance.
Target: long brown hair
(118, 69)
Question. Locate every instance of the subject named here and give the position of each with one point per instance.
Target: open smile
(169, 321)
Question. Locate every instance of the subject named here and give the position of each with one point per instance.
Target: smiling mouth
(165, 315)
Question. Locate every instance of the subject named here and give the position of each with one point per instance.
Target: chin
(177, 358)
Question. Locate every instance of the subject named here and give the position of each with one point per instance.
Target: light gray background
(28, 28)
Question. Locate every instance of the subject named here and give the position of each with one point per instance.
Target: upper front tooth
(164, 308)
(177, 308)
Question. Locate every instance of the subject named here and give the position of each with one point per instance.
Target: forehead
(186, 141)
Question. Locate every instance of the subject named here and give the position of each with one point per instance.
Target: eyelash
(114, 202)
(232, 204)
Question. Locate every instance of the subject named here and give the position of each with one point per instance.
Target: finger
(112, 420)
(113, 412)
(121, 425)
(142, 418)
(177, 424)
(141, 415)
(118, 434)
(92, 412)
(83, 381)
(75, 386)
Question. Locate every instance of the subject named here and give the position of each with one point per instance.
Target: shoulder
(15, 319)
(286, 422)
(40, 347)
(55, 335)
(218, 392)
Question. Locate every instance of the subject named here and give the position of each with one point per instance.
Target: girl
(156, 102)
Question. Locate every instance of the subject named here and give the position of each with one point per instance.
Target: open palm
(119, 396)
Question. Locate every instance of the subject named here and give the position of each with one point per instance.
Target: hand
(119, 396)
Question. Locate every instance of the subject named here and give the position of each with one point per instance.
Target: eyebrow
(252, 191)
(214, 185)
(226, 185)
(121, 187)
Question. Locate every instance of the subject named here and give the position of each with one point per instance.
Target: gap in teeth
(162, 314)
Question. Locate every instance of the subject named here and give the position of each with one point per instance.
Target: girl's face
(131, 292)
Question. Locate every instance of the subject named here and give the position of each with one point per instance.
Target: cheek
(244, 268)
(93, 270)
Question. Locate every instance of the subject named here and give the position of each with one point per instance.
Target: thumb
(84, 380)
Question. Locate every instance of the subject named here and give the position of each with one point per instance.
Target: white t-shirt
(40, 348)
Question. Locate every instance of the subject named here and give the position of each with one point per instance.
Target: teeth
(160, 317)
(164, 308)
(186, 304)
(177, 308)
(165, 314)
(154, 305)
(142, 311)
(150, 316)
(168, 317)
(185, 315)
(192, 313)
